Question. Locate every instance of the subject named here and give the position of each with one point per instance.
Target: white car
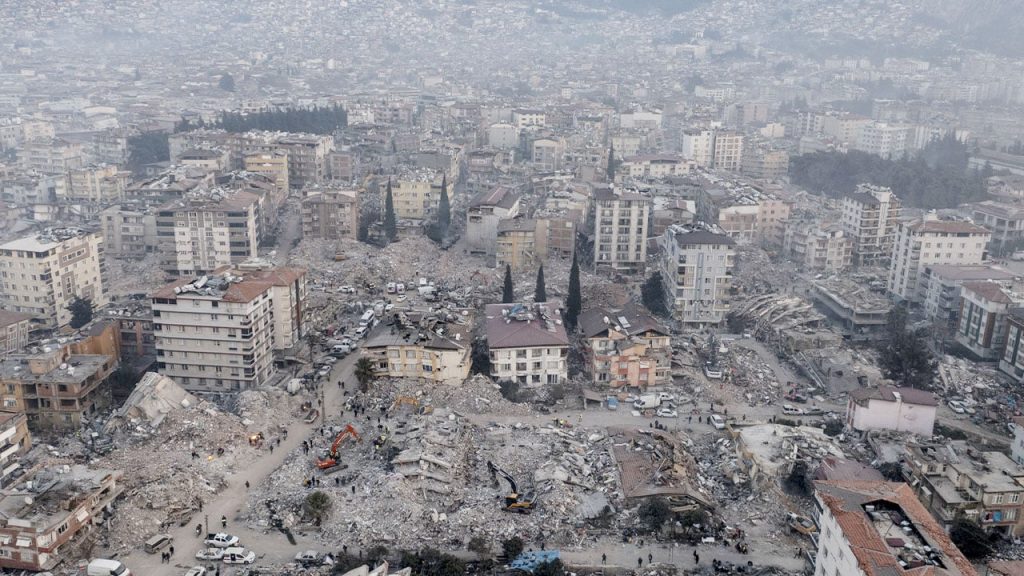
(957, 406)
(196, 571)
(666, 397)
(346, 290)
(308, 558)
(238, 555)
(401, 298)
(791, 410)
(718, 422)
(210, 554)
(665, 412)
(221, 540)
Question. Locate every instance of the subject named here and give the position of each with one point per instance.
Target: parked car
(791, 410)
(666, 397)
(238, 555)
(718, 422)
(210, 554)
(612, 403)
(196, 571)
(666, 412)
(221, 540)
(957, 406)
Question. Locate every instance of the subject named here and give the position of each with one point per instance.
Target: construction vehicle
(409, 400)
(330, 459)
(514, 501)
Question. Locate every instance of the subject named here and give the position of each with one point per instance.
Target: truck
(104, 567)
(647, 402)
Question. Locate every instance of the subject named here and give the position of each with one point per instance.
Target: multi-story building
(696, 268)
(1011, 362)
(502, 136)
(207, 230)
(698, 146)
(413, 348)
(128, 232)
(626, 348)
(885, 140)
(712, 148)
(886, 408)
(526, 118)
(819, 247)
(654, 167)
(929, 241)
(56, 389)
(330, 214)
(484, 213)
(1004, 220)
(341, 166)
(273, 165)
(43, 274)
(15, 441)
(206, 159)
(51, 511)
(870, 217)
(14, 331)
(104, 184)
(547, 154)
(857, 521)
(527, 344)
(728, 154)
(845, 128)
(51, 156)
(982, 328)
(942, 300)
(620, 230)
(764, 164)
(956, 479)
(217, 334)
(414, 196)
(745, 213)
(521, 243)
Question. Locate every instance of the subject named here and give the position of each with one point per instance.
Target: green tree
(147, 148)
(390, 225)
(81, 312)
(227, 82)
(444, 209)
(365, 373)
(539, 293)
(317, 506)
(654, 512)
(512, 547)
(479, 546)
(970, 538)
(904, 356)
(481, 357)
(574, 299)
(652, 292)
(507, 290)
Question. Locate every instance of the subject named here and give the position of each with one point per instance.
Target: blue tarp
(528, 561)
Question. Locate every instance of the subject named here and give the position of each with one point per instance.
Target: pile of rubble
(136, 274)
(477, 395)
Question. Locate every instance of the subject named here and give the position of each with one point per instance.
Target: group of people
(165, 557)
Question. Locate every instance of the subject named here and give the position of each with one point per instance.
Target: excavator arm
(330, 459)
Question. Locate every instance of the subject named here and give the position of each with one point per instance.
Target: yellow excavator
(514, 501)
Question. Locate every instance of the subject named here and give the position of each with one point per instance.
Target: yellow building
(273, 165)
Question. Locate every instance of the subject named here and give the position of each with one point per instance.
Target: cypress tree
(611, 163)
(574, 301)
(390, 226)
(539, 294)
(444, 208)
(507, 293)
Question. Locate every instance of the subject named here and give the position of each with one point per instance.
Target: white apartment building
(819, 247)
(50, 156)
(217, 334)
(856, 523)
(502, 136)
(728, 154)
(485, 211)
(524, 118)
(547, 154)
(699, 146)
(696, 268)
(869, 217)
(42, 274)
(128, 232)
(208, 230)
(712, 148)
(882, 139)
(527, 343)
(923, 243)
(654, 167)
(620, 230)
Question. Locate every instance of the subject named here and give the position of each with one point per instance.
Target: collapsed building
(427, 346)
(626, 348)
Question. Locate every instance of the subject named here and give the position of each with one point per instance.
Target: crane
(514, 501)
(330, 459)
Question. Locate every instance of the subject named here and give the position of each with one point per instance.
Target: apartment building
(42, 274)
(698, 146)
(1005, 220)
(330, 214)
(626, 348)
(747, 214)
(764, 164)
(955, 479)
(485, 211)
(1011, 362)
(206, 159)
(885, 140)
(217, 334)
(105, 184)
(870, 217)
(654, 167)
(527, 344)
(413, 348)
(342, 166)
(273, 165)
(942, 299)
(208, 229)
(128, 231)
(547, 153)
(620, 231)
(50, 156)
(929, 241)
(414, 196)
(50, 511)
(856, 523)
(819, 247)
(15, 441)
(57, 389)
(728, 151)
(696, 268)
(845, 128)
(523, 118)
(14, 331)
(521, 243)
(887, 408)
(982, 326)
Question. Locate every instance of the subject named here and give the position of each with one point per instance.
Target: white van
(360, 332)
(367, 318)
(104, 567)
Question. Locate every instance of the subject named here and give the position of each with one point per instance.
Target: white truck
(104, 567)
(647, 402)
